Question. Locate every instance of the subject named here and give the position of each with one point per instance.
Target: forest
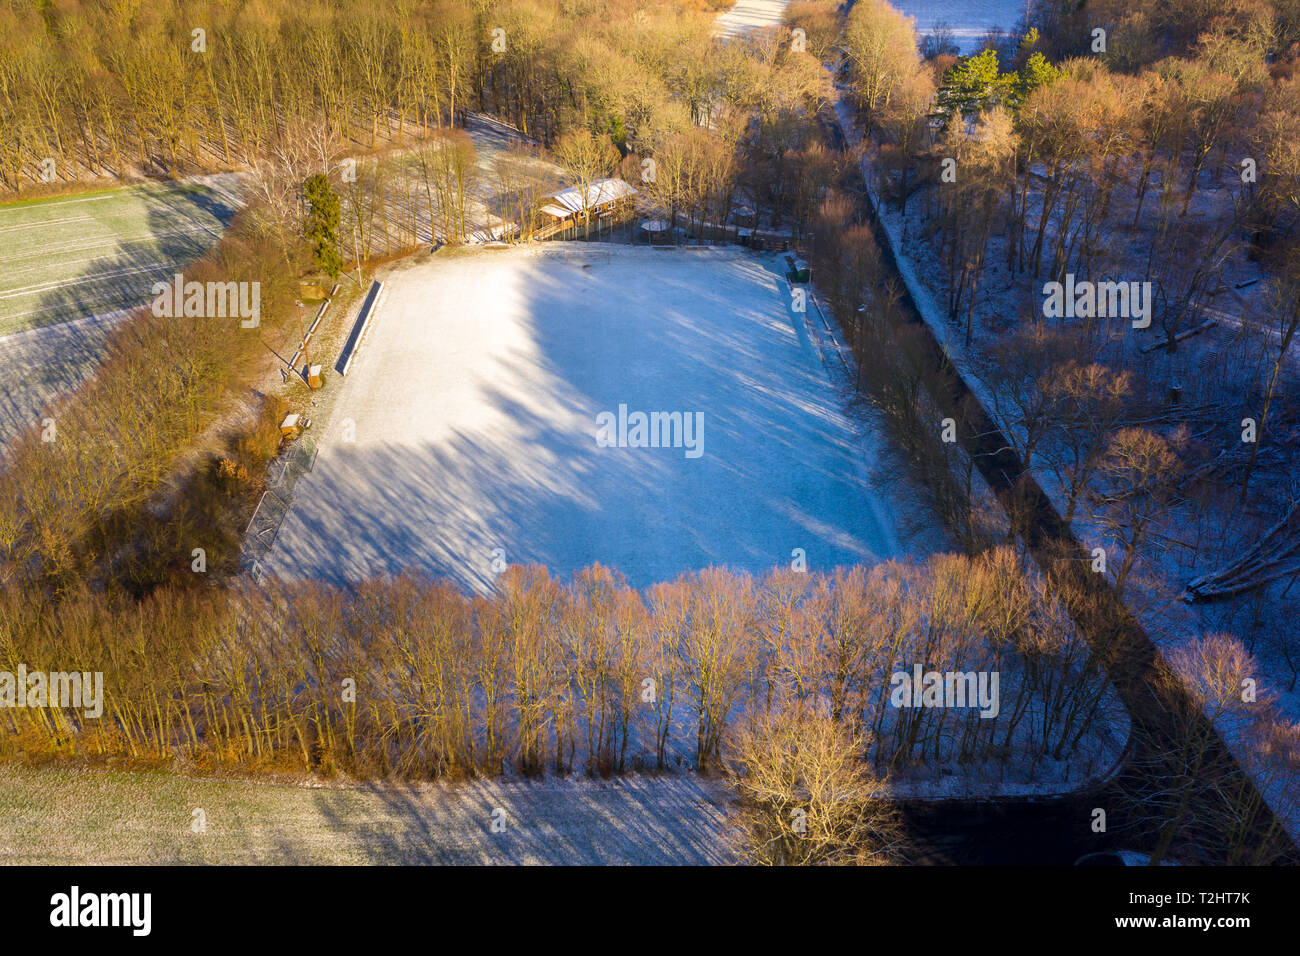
(1154, 142)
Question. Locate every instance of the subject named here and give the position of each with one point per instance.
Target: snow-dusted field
(54, 816)
(466, 430)
(75, 256)
(968, 20)
(749, 15)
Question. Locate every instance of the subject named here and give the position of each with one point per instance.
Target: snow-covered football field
(465, 433)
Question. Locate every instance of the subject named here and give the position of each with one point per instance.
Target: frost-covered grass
(78, 256)
(111, 817)
(71, 267)
(467, 427)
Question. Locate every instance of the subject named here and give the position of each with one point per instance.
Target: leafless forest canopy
(1169, 154)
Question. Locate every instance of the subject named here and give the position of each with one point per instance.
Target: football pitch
(654, 411)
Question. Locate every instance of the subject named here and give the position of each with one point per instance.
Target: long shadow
(134, 238)
(576, 821)
(530, 479)
(1116, 638)
(780, 465)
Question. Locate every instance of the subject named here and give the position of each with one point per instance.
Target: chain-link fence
(282, 475)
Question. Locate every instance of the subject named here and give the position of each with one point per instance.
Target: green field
(84, 255)
(75, 816)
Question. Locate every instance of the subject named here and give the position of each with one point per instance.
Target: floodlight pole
(356, 251)
(302, 331)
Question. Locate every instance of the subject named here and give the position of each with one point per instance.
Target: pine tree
(322, 226)
(974, 85)
(1036, 72)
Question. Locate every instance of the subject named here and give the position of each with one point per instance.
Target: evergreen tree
(322, 226)
(1035, 73)
(977, 84)
(974, 85)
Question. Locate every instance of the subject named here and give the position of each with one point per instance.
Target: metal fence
(282, 475)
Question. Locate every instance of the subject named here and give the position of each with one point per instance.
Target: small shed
(293, 425)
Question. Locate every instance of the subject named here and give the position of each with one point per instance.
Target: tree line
(114, 90)
(410, 677)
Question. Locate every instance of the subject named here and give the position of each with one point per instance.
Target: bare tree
(1136, 469)
(807, 795)
(588, 158)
